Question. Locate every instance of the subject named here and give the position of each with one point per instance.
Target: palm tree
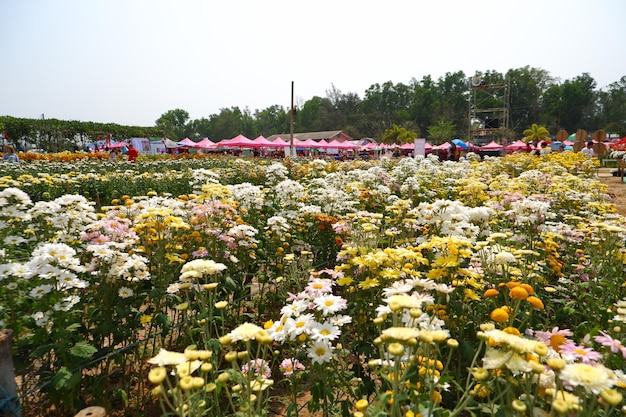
(536, 133)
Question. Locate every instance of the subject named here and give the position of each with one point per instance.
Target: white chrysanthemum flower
(201, 267)
(504, 257)
(320, 352)
(593, 378)
(125, 292)
(41, 290)
(294, 308)
(299, 325)
(164, 358)
(402, 334)
(14, 240)
(67, 303)
(246, 332)
(16, 269)
(250, 197)
(324, 331)
(330, 304)
(496, 359)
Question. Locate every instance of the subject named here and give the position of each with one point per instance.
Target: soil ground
(617, 189)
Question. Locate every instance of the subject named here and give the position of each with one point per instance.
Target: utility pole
(291, 150)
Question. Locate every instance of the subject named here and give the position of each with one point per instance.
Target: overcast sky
(130, 61)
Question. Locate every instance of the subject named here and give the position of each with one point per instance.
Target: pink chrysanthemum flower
(614, 344)
(572, 351)
(555, 338)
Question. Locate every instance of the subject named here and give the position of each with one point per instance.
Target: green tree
(398, 135)
(230, 123)
(526, 88)
(453, 95)
(272, 120)
(612, 104)
(441, 132)
(536, 133)
(424, 100)
(571, 105)
(173, 124)
(385, 104)
(315, 115)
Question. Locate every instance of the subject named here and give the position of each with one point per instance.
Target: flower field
(396, 287)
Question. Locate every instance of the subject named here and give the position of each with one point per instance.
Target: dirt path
(617, 189)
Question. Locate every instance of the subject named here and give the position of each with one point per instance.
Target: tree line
(435, 109)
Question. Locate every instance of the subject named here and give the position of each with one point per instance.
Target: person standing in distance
(588, 150)
(132, 153)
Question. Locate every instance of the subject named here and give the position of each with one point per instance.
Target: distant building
(316, 136)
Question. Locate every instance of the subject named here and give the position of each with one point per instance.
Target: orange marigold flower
(535, 302)
(491, 292)
(512, 284)
(518, 293)
(528, 288)
(512, 330)
(499, 315)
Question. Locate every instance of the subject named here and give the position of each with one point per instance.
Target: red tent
(619, 143)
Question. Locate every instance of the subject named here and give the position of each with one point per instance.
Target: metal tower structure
(488, 110)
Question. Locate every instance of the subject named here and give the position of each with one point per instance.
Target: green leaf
(73, 327)
(62, 379)
(83, 350)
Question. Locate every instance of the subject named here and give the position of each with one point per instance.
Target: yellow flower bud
(157, 375)
(362, 404)
(611, 396)
(157, 391)
(480, 374)
(186, 383)
(453, 343)
(518, 406)
(556, 363)
(395, 349)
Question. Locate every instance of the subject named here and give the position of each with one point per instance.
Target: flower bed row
(396, 287)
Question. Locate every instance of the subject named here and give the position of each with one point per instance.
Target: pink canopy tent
(115, 145)
(262, 142)
(442, 146)
(187, 142)
(206, 143)
(335, 144)
(280, 143)
(239, 141)
(410, 146)
(491, 146)
(310, 143)
(372, 145)
(518, 145)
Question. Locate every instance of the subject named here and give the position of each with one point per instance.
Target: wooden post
(92, 412)
(10, 408)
